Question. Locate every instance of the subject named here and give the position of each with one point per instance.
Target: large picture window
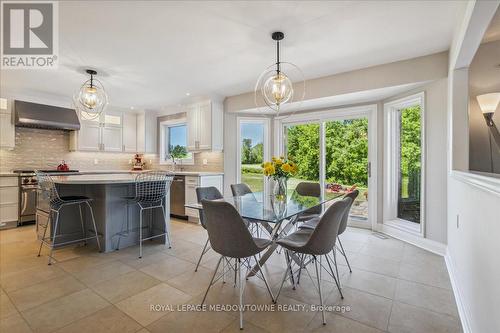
(403, 168)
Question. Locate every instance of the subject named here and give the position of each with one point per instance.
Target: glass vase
(280, 189)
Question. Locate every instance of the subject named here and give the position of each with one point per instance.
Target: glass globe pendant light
(274, 86)
(91, 99)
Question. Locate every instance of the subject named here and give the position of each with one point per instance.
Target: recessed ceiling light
(131, 108)
(187, 94)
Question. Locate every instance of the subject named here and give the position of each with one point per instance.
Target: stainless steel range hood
(45, 116)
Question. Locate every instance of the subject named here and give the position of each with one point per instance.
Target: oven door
(28, 203)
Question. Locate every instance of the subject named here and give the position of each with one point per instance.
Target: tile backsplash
(45, 149)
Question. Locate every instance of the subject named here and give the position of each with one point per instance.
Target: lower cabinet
(192, 182)
(9, 202)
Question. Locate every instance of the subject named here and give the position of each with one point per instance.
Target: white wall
(473, 249)
(473, 244)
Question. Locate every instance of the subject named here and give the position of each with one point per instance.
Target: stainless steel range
(28, 187)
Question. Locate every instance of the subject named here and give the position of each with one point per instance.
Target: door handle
(369, 169)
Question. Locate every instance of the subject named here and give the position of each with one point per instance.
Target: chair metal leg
(335, 261)
(334, 278)
(238, 269)
(201, 255)
(167, 232)
(319, 289)
(224, 270)
(265, 280)
(300, 268)
(212, 280)
(53, 238)
(95, 227)
(44, 233)
(140, 233)
(82, 223)
(289, 261)
(235, 271)
(345, 255)
(285, 273)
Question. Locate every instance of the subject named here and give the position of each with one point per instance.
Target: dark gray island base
(111, 211)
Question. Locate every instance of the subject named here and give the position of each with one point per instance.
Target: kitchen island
(117, 221)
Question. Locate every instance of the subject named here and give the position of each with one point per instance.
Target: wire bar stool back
(151, 187)
(48, 189)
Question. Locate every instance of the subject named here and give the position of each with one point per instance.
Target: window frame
(392, 161)
(164, 132)
(267, 142)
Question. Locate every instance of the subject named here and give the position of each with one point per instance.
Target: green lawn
(254, 180)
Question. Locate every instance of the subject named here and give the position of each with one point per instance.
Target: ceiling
(493, 32)
(150, 54)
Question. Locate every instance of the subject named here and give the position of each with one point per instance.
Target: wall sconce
(488, 104)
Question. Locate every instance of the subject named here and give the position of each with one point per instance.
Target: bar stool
(48, 191)
(151, 189)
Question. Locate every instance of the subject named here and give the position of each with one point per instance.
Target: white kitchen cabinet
(130, 132)
(147, 128)
(9, 201)
(102, 134)
(112, 132)
(192, 182)
(205, 126)
(89, 135)
(7, 129)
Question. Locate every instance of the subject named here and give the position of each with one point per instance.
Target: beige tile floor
(394, 287)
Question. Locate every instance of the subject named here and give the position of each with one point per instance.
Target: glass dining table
(278, 217)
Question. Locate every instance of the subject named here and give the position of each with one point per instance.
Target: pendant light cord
(278, 57)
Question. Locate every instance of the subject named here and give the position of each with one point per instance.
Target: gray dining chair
(310, 190)
(311, 224)
(240, 190)
(316, 243)
(205, 193)
(230, 238)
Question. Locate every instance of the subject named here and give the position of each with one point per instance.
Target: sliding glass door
(346, 163)
(302, 147)
(336, 150)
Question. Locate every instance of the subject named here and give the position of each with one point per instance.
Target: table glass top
(265, 207)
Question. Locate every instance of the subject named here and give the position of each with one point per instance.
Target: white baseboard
(463, 310)
(424, 243)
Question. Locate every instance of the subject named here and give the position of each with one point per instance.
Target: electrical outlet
(96, 161)
(458, 221)
(205, 161)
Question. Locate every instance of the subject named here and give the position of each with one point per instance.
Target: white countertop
(108, 178)
(130, 172)
(180, 173)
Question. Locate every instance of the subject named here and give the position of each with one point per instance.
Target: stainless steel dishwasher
(178, 197)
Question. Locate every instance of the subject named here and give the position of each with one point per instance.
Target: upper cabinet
(102, 134)
(7, 129)
(130, 132)
(146, 132)
(117, 131)
(205, 126)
